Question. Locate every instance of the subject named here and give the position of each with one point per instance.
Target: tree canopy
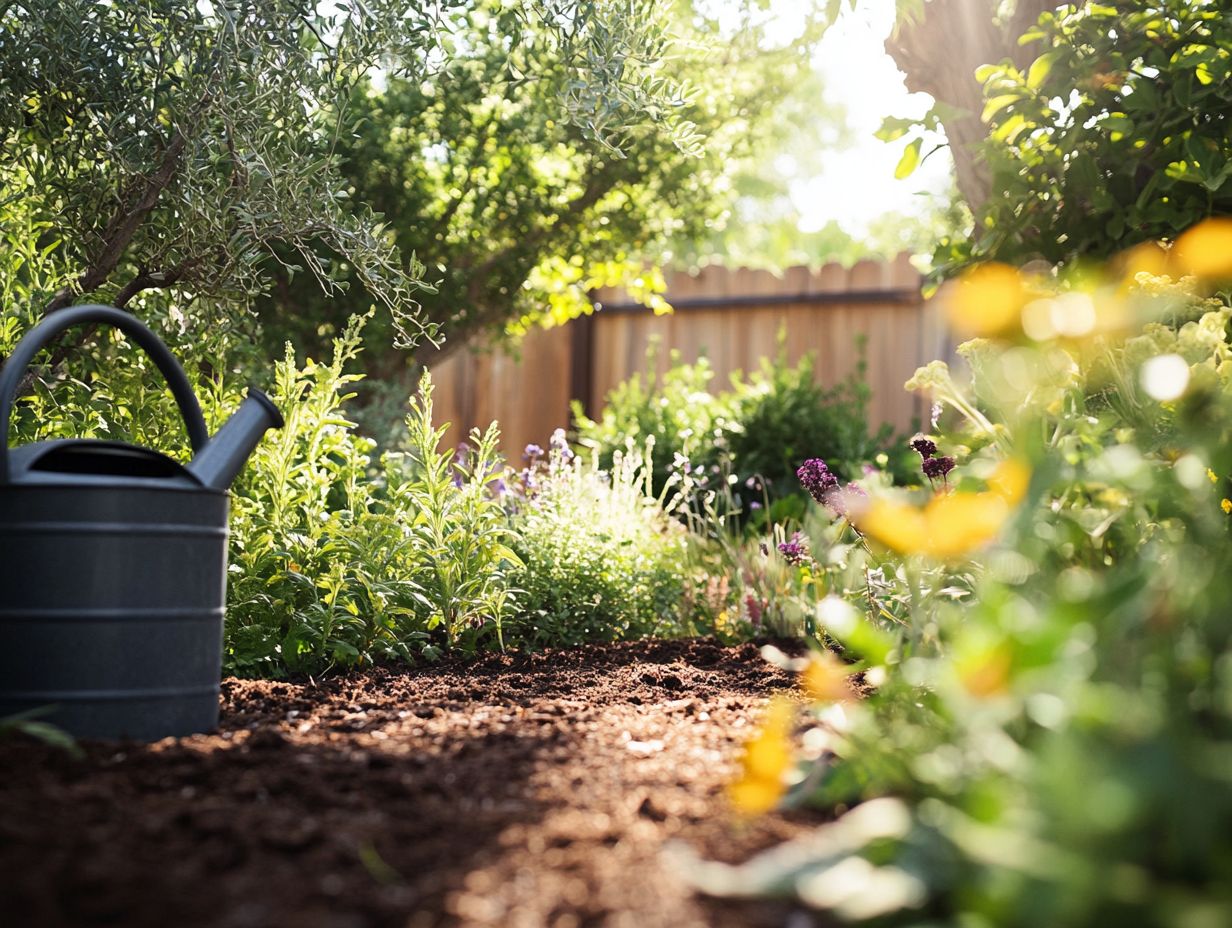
(195, 147)
(1078, 130)
(518, 212)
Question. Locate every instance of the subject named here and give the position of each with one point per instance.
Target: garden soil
(519, 791)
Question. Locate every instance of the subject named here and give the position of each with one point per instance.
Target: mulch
(515, 791)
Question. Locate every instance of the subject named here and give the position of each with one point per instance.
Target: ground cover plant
(1045, 645)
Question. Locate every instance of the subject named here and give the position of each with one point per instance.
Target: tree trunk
(940, 52)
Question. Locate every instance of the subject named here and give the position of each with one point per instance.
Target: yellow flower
(948, 527)
(952, 525)
(767, 758)
(960, 522)
(1211, 474)
(986, 300)
(1205, 250)
(827, 679)
(1226, 505)
(1146, 258)
(896, 525)
(986, 672)
(1010, 480)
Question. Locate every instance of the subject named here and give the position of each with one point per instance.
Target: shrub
(750, 437)
(782, 417)
(335, 563)
(677, 408)
(601, 558)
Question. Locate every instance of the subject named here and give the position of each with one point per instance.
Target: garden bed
(514, 791)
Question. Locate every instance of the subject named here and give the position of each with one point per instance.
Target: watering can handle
(52, 325)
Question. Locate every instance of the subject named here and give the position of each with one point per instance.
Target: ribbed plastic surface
(111, 608)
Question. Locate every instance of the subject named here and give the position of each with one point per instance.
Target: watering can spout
(220, 461)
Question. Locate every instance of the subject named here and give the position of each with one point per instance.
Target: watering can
(113, 561)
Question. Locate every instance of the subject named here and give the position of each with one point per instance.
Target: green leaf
(1180, 170)
(894, 128)
(1034, 34)
(1040, 69)
(985, 71)
(51, 735)
(909, 161)
(997, 104)
(1118, 125)
(1009, 130)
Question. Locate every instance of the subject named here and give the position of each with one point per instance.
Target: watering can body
(113, 563)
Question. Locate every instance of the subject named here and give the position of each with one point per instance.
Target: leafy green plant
(336, 563)
(1106, 138)
(1049, 705)
(750, 437)
(782, 416)
(457, 524)
(601, 557)
(677, 409)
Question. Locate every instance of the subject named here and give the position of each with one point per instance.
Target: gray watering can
(113, 560)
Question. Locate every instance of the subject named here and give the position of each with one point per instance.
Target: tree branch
(123, 226)
(149, 281)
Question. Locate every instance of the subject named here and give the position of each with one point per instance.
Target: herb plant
(601, 557)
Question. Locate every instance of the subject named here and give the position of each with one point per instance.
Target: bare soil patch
(520, 791)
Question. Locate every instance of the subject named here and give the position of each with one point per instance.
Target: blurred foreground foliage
(1042, 638)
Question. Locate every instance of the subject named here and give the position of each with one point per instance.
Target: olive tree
(194, 147)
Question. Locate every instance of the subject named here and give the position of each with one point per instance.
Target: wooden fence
(733, 317)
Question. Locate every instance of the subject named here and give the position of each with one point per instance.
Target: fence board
(732, 316)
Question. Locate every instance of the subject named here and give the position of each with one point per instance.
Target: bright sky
(857, 184)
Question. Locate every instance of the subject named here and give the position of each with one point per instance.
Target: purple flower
(937, 467)
(532, 453)
(560, 445)
(925, 446)
(816, 478)
(839, 501)
(529, 481)
(792, 552)
(754, 505)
